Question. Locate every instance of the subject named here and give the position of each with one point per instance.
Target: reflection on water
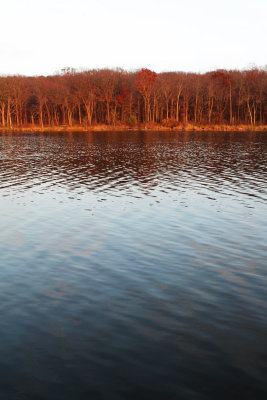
(133, 265)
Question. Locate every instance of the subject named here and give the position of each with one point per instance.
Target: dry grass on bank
(146, 127)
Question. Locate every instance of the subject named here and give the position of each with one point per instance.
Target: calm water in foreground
(133, 266)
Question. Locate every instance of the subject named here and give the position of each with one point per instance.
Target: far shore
(142, 127)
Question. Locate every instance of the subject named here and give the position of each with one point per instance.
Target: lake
(133, 265)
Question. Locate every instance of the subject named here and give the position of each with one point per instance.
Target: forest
(143, 98)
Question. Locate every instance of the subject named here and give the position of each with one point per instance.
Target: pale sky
(39, 37)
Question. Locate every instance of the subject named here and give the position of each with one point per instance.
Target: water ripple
(133, 265)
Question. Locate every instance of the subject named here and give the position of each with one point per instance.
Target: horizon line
(251, 66)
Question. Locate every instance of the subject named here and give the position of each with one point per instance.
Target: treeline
(117, 97)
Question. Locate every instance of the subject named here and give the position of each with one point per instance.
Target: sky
(41, 37)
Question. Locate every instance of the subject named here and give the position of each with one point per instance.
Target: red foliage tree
(144, 82)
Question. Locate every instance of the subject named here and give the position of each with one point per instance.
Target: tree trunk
(177, 107)
(210, 109)
(230, 100)
(250, 113)
(89, 112)
(48, 114)
(195, 111)
(41, 116)
(80, 116)
(108, 114)
(167, 109)
(3, 106)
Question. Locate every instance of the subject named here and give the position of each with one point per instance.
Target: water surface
(133, 265)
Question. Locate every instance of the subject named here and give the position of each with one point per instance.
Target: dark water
(133, 266)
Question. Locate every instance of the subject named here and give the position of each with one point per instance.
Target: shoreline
(148, 127)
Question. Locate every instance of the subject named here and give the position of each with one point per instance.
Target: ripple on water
(133, 265)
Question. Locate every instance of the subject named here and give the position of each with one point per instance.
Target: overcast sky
(40, 37)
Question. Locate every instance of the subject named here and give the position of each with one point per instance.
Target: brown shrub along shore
(141, 127)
